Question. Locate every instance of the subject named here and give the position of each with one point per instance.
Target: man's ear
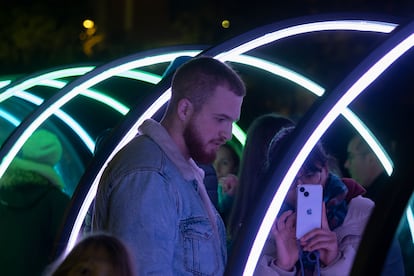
(185, 109)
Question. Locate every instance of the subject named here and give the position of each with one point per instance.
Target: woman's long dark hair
(253, 162)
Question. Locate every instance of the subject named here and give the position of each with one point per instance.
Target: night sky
(45, 33)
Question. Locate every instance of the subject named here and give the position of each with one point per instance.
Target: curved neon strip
(46, 80)
(280, 71)
(410, 219)
(89, 142)
(77, 71)
(239, 134)
(9, 117)
(369, 137)
(366, 79)
(77, 90)
(4, 83)
(51, 75)
(334, 25)
(359, 25)
(93, 94)
(140, 75)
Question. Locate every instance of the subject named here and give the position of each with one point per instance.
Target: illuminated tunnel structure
(56, 79)
(233, 50)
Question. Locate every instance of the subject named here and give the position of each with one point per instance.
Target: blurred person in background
(364, 166)
(98, 254)
(32, 206)
(226, 166)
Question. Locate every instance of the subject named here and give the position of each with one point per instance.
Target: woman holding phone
(329, 249)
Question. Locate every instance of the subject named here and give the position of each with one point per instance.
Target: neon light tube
(9, 117)
(4, 83)
(410, 219)
(84, 136)
(93, 94)
(51, 75)
(351, 25)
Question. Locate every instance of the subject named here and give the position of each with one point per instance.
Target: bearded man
(152, 195)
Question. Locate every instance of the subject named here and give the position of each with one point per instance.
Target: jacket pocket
(201, 251)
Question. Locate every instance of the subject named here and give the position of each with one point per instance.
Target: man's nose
(227, 132)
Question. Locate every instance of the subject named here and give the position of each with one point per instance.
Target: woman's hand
(229, 184)
(284, 233)
(323, 240)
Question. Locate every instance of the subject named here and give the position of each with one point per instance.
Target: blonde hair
(118, 255)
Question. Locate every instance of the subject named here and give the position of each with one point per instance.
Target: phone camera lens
(306, 194)
(302, 189)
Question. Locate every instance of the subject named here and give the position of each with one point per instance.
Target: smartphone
(308, 208)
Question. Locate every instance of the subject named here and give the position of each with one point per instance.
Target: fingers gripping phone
(308, 208)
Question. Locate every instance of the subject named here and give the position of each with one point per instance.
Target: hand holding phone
(308, 208)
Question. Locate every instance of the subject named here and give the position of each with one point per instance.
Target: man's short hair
(197, 78)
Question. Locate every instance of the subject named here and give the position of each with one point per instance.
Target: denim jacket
(148, 196)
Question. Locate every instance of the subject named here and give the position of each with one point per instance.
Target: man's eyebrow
(225, 116)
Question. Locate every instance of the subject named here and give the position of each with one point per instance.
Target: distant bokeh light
(225, 24)
(88, 24)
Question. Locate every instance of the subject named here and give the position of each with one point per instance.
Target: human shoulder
(358, 214)
(141, 151)
(362, 202)
(361, 206)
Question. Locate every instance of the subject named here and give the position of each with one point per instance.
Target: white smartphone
(308, 208)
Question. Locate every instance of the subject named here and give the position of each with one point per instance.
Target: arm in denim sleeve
(143, 211)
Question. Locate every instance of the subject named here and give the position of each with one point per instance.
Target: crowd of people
(173, 200)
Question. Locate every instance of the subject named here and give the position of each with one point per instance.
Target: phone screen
(308, 208)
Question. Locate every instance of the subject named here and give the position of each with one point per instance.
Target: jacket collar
(159, 134)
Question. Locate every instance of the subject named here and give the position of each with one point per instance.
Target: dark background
(41, 34)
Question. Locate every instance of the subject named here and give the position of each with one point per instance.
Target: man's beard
(194, 142)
